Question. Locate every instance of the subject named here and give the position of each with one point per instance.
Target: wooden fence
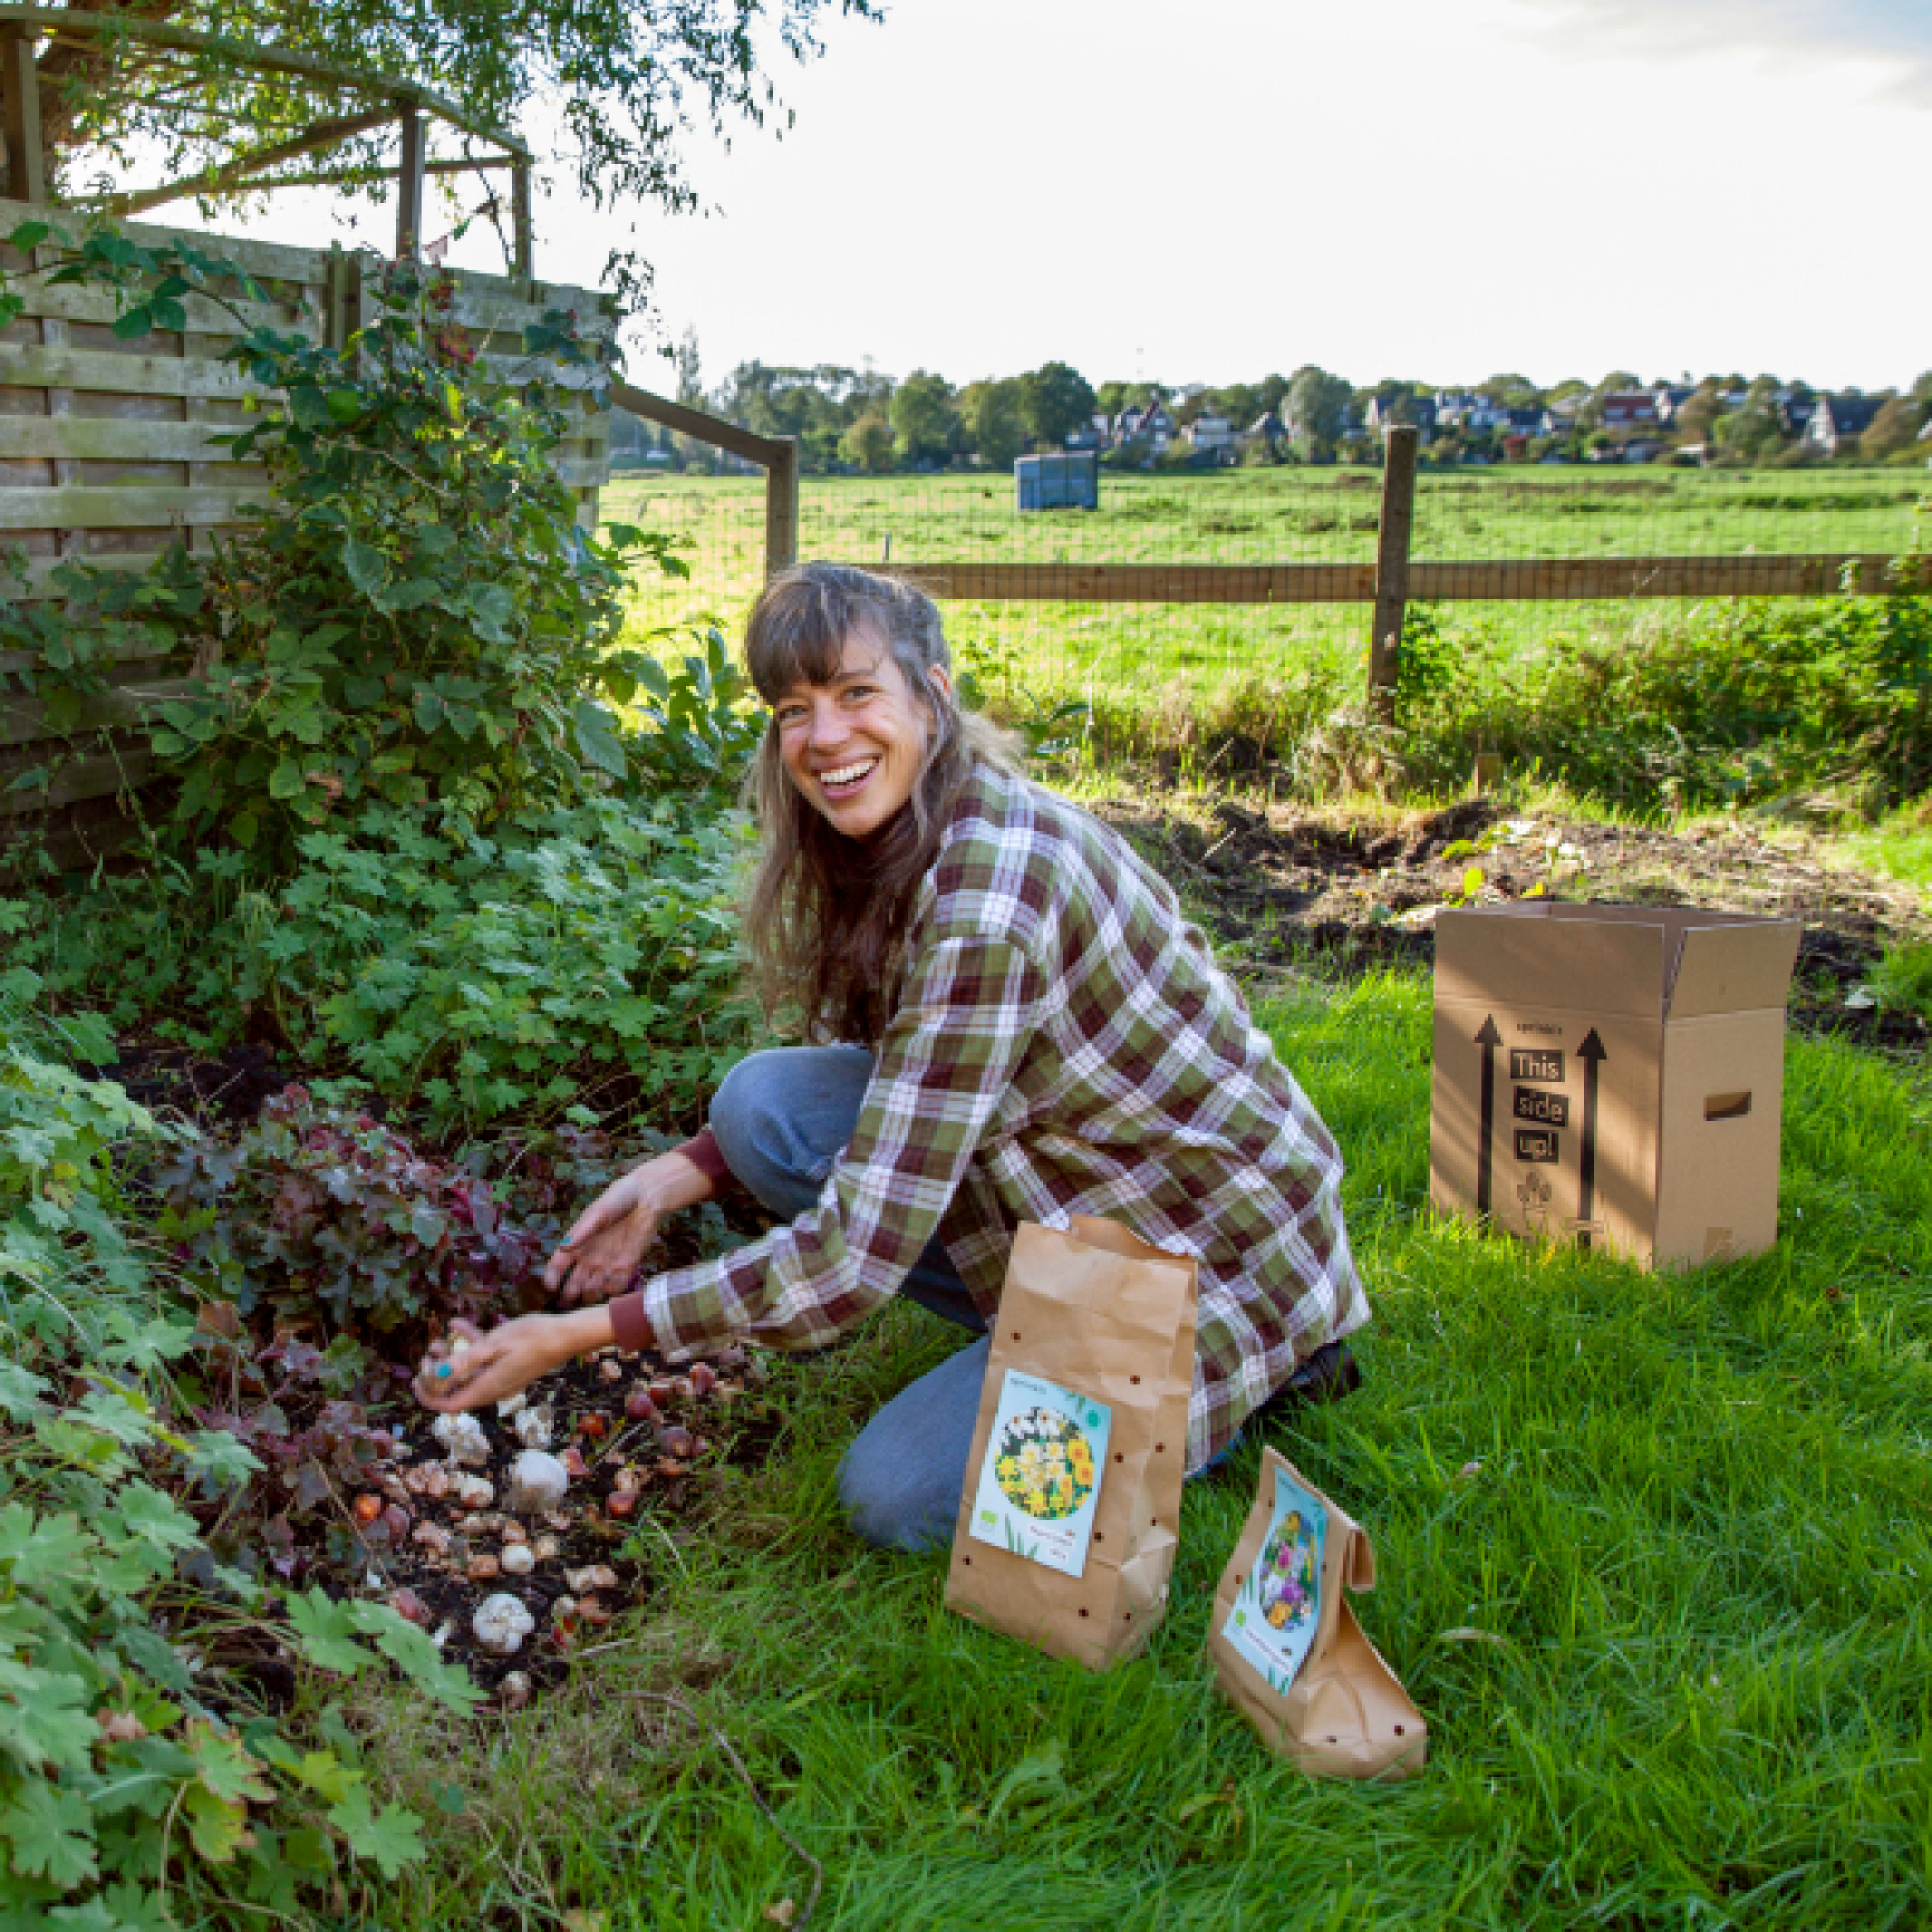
(104, 455)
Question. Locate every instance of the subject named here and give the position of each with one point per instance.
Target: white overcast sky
(1208, 191)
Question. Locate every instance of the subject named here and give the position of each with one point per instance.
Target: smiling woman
(1008, 1020)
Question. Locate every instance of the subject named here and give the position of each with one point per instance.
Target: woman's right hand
(601, 1251)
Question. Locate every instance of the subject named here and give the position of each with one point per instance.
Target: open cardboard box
(1612, 1076)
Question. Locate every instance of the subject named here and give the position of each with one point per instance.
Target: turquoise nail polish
(444, 1372)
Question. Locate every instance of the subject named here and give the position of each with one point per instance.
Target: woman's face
(854, 747)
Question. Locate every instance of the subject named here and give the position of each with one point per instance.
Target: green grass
(1900, 848)
(1179, 658)
(1699, 1535)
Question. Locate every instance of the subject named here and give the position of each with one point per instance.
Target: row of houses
(1822, 423)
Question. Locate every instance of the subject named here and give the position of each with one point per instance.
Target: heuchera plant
(322, 1214)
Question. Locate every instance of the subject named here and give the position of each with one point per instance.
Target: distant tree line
(850, 420)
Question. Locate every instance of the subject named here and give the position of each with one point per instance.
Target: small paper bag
(1071, 1509)
(1286, 1645)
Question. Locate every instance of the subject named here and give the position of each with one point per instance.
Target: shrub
(130, 1752)
(423, 620)
(565, 955)
(1730, 705)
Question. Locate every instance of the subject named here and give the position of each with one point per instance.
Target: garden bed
(1280, 885)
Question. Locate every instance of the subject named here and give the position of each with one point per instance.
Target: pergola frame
(402, 102)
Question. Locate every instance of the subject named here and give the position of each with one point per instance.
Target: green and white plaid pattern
(1065, 1045)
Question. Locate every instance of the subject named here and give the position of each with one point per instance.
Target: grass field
(1148, 655)
(1654, 1557)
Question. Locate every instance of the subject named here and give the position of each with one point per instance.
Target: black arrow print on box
(1591, 1053)
(1489, 1040)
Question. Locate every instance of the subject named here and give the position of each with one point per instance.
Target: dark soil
(226, 1088)
(631, 1483)
(1276, 886)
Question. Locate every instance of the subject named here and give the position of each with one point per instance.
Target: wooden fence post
(409, 186)
(522, 226)
(1398, 524)
(781, 508)
(20, 104)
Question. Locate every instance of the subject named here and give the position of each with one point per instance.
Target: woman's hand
(493, 1367)
(600, 1252)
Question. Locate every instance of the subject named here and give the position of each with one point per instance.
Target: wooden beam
(1553, 578)
(20, 106)
(116, 374)
(1139, 583)
(124, 506)
(236, 173)
(410, 188)
(335, 177)
(1397, 526)
(763, 451)
(1524, 579)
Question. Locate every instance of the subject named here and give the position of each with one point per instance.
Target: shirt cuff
(629, 1322)
(708, 1158)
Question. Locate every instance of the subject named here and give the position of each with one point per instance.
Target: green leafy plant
(588, 956)
(423, 620)
(330, 1216)
(133, 1752)
(1903, 980)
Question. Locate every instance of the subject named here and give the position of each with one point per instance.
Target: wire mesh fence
(1157, 653)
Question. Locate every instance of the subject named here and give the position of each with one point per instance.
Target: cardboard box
(1612, 1076)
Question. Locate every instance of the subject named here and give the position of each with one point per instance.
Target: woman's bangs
(797, 635)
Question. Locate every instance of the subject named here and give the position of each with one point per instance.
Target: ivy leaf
(42, 1550)
(52, 1832)
(168, 313)
(219, 1459)
(326, 1630)
(134, 322)
(43, 1718)
(327, 1775)
(366, 565)
(389, 1839)
(225, 1767)
(218, 1826)
(417, 1657)
(153, 1518)
(132, 1909)
(20, 1390)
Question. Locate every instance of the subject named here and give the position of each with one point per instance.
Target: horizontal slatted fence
(104, 456)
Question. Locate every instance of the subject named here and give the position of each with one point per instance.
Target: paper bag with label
(1287, 1650)
(1072, 1507)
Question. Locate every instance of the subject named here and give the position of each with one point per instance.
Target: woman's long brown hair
(829, 916)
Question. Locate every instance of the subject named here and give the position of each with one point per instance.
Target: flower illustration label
(1039, 1484)
(1279, 1603)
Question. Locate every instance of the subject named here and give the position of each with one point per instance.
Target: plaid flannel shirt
(1064, 1045)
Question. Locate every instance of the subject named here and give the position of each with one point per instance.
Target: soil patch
(1280, 886)
(586, 1560)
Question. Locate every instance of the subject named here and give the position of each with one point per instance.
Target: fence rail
(106, 457)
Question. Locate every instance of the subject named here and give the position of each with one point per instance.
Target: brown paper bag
(1287, 1647)
(1072, 1508)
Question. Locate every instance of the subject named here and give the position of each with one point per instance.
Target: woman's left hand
(493, 1367)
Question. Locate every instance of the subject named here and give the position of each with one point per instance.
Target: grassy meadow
(1654, 1556)
(1179, 655)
